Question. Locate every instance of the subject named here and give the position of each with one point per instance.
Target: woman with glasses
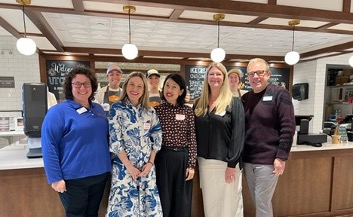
(135, 138)
(75, 146)
(220, 137)
(270, 126)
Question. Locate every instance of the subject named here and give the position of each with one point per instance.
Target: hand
(190, 172)
(59, 186)
(134, 172)
(230, 175)
(146, 169)
(279, 166)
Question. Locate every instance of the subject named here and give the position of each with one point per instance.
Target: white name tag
(146, 126)
(267, 98)
(179, 117)
(81, 110)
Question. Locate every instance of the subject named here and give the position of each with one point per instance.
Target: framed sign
(56, 72)
(195, 74)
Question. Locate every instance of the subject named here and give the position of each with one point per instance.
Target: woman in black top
(220, 138)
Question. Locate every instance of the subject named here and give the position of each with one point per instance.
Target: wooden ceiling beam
(176, 14)
(78, 5)
(40, 22)
(9, 28)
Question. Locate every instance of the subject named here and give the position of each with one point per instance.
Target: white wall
(22, 68)
(314, 73)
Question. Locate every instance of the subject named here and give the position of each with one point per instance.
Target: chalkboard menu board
(56, 72)
(194, 76)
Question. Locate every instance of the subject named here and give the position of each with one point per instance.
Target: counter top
(325, 146)
(12, 133)
(14, 157)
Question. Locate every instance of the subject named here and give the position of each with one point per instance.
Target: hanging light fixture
(25, 46)
(350, 61)
(292, 57)
(129, 50)
(218, 54)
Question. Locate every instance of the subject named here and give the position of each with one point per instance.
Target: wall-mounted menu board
(56, 72)
(194, 76)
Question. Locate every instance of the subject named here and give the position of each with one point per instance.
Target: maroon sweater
(269, 125)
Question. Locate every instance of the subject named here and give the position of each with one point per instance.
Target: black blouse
(221, 137)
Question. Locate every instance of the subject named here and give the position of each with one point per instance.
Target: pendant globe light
(350, 61)
(24, 45)
(292, 57)
(129, 50)
(218, 54)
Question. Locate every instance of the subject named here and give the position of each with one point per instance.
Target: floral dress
(137, 132)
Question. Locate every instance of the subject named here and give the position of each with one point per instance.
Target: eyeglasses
(79, 84)
(259, 73)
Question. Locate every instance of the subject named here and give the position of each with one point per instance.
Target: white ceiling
(104, 24)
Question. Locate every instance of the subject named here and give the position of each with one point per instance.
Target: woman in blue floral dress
(135, 138)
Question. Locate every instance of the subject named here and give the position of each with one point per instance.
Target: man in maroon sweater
(270, 126)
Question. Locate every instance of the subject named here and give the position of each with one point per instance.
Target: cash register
(303, 135)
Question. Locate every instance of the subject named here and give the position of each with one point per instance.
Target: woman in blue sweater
(75, 146)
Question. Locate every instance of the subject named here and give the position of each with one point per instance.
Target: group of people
(150, 151)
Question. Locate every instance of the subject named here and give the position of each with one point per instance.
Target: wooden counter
(317, 182)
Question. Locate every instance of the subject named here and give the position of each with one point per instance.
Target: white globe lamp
(129, 51)
(218, 55)
(292, 58)
(351, 61)
(26, 46)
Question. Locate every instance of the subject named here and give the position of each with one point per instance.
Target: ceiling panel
(331, 5)
(250, 27)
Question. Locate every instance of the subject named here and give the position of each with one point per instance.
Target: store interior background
(26, 69)
(333, 16)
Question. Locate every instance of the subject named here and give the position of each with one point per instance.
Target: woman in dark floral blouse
(176, 161)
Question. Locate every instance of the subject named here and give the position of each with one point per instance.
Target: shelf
(340, 103)
(341, 86)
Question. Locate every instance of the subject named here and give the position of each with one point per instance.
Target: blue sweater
(75, 142)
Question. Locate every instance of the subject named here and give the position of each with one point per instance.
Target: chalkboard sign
(194, 76)
(56, 72)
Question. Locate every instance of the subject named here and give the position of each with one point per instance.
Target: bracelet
(150, 162)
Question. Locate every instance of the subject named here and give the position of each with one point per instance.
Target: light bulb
(129, 51)
(351, 61)
(26, 46)
(292, 57)
(218, 55)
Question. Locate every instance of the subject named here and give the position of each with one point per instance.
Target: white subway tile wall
(22, 68)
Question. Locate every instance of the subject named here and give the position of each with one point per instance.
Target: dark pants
(175, 193)
(83, 196)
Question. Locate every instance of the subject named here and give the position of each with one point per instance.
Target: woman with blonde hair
(135, 138)
(220, 137)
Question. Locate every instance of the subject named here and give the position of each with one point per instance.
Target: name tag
(267, 98)
(81, 110)
(179, 117)
(222, 113)
(146, 125)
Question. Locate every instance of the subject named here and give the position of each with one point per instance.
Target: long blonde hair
(144, 100)
(225, 96)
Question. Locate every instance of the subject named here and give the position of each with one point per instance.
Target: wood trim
(78, 5)
(9, 28)
(38, 19)
(176, 14)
